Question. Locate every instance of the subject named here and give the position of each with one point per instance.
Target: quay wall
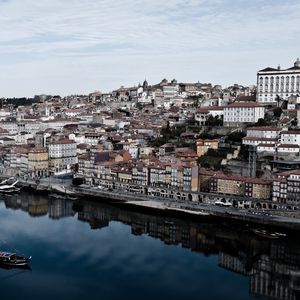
(142, 202)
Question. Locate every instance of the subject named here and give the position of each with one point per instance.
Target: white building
(15, 127)
(266, 147)
(263, 132)
(4, 113)
(255, 141)
(261, 135)
(290, 137)
(288, 149)
(277, 82)
(170, 91)
(203, 113)
(63, 155)
(238, 113)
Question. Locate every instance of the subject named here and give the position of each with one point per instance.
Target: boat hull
(11, 267)
(11, 259)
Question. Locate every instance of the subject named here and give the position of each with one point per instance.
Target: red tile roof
(243, 104)
(290, 132)
(264, 128)
(288, 146)
(252, 138)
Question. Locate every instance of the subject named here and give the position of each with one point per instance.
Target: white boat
(63, 174)
(9, 188)
(62, 197)
(5, 181)
(63, 190)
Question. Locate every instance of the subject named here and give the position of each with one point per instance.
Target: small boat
(63, 197)
(63, 174)
(5, 181)
(12, 259)
(280, 234)
(61, 189)
(266, 234)
(9, 188)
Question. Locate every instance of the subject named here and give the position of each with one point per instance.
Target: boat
(5, 187)
(188, 210)
(266, 234)
(10, 267)
(12, 259)
(63, 174)
(280, 234)
(63, 197)
(62, 189)
(5, 181)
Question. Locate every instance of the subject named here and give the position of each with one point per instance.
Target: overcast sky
(78, 46)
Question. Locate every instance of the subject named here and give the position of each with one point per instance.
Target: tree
(236, 136)
(78, 181)
(214, 121)
(139, 106)
(294, 122)
(261, 122)
(277, 112)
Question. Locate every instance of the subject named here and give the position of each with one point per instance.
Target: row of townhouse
(116, 169)
(283, 191)
(286, 188)
(61, 155)
(182, 176)
(273, 140)
(26, 161)
(241, 186)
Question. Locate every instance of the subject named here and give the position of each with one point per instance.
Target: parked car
(223, 203)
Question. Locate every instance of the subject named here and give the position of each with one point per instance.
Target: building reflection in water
(272, 266)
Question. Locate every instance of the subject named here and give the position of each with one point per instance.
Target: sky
(78, 46)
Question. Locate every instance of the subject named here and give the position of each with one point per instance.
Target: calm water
(96, 251)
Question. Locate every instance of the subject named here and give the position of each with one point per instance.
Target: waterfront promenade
(283, 219)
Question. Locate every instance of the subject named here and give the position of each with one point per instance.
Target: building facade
(38, 162)
(238, 113)
(286, 189)
(63, 155)
(273, 83)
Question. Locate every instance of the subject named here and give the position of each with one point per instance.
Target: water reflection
(272, 266)
(11, 267)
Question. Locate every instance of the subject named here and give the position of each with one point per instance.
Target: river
(87, 250)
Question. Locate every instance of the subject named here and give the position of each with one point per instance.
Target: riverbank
(187, 209)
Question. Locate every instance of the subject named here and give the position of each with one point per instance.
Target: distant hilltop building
(273, 84)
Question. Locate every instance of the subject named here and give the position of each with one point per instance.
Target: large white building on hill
(273, 82)
(238, 113)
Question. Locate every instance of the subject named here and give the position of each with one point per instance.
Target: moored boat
(63, 197)
(12, 259)
(5, 187)
(63, 174)
(61, 189)
(266, 234)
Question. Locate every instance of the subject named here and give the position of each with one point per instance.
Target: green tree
(214, 121)
(277, 112)
(261, 122)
